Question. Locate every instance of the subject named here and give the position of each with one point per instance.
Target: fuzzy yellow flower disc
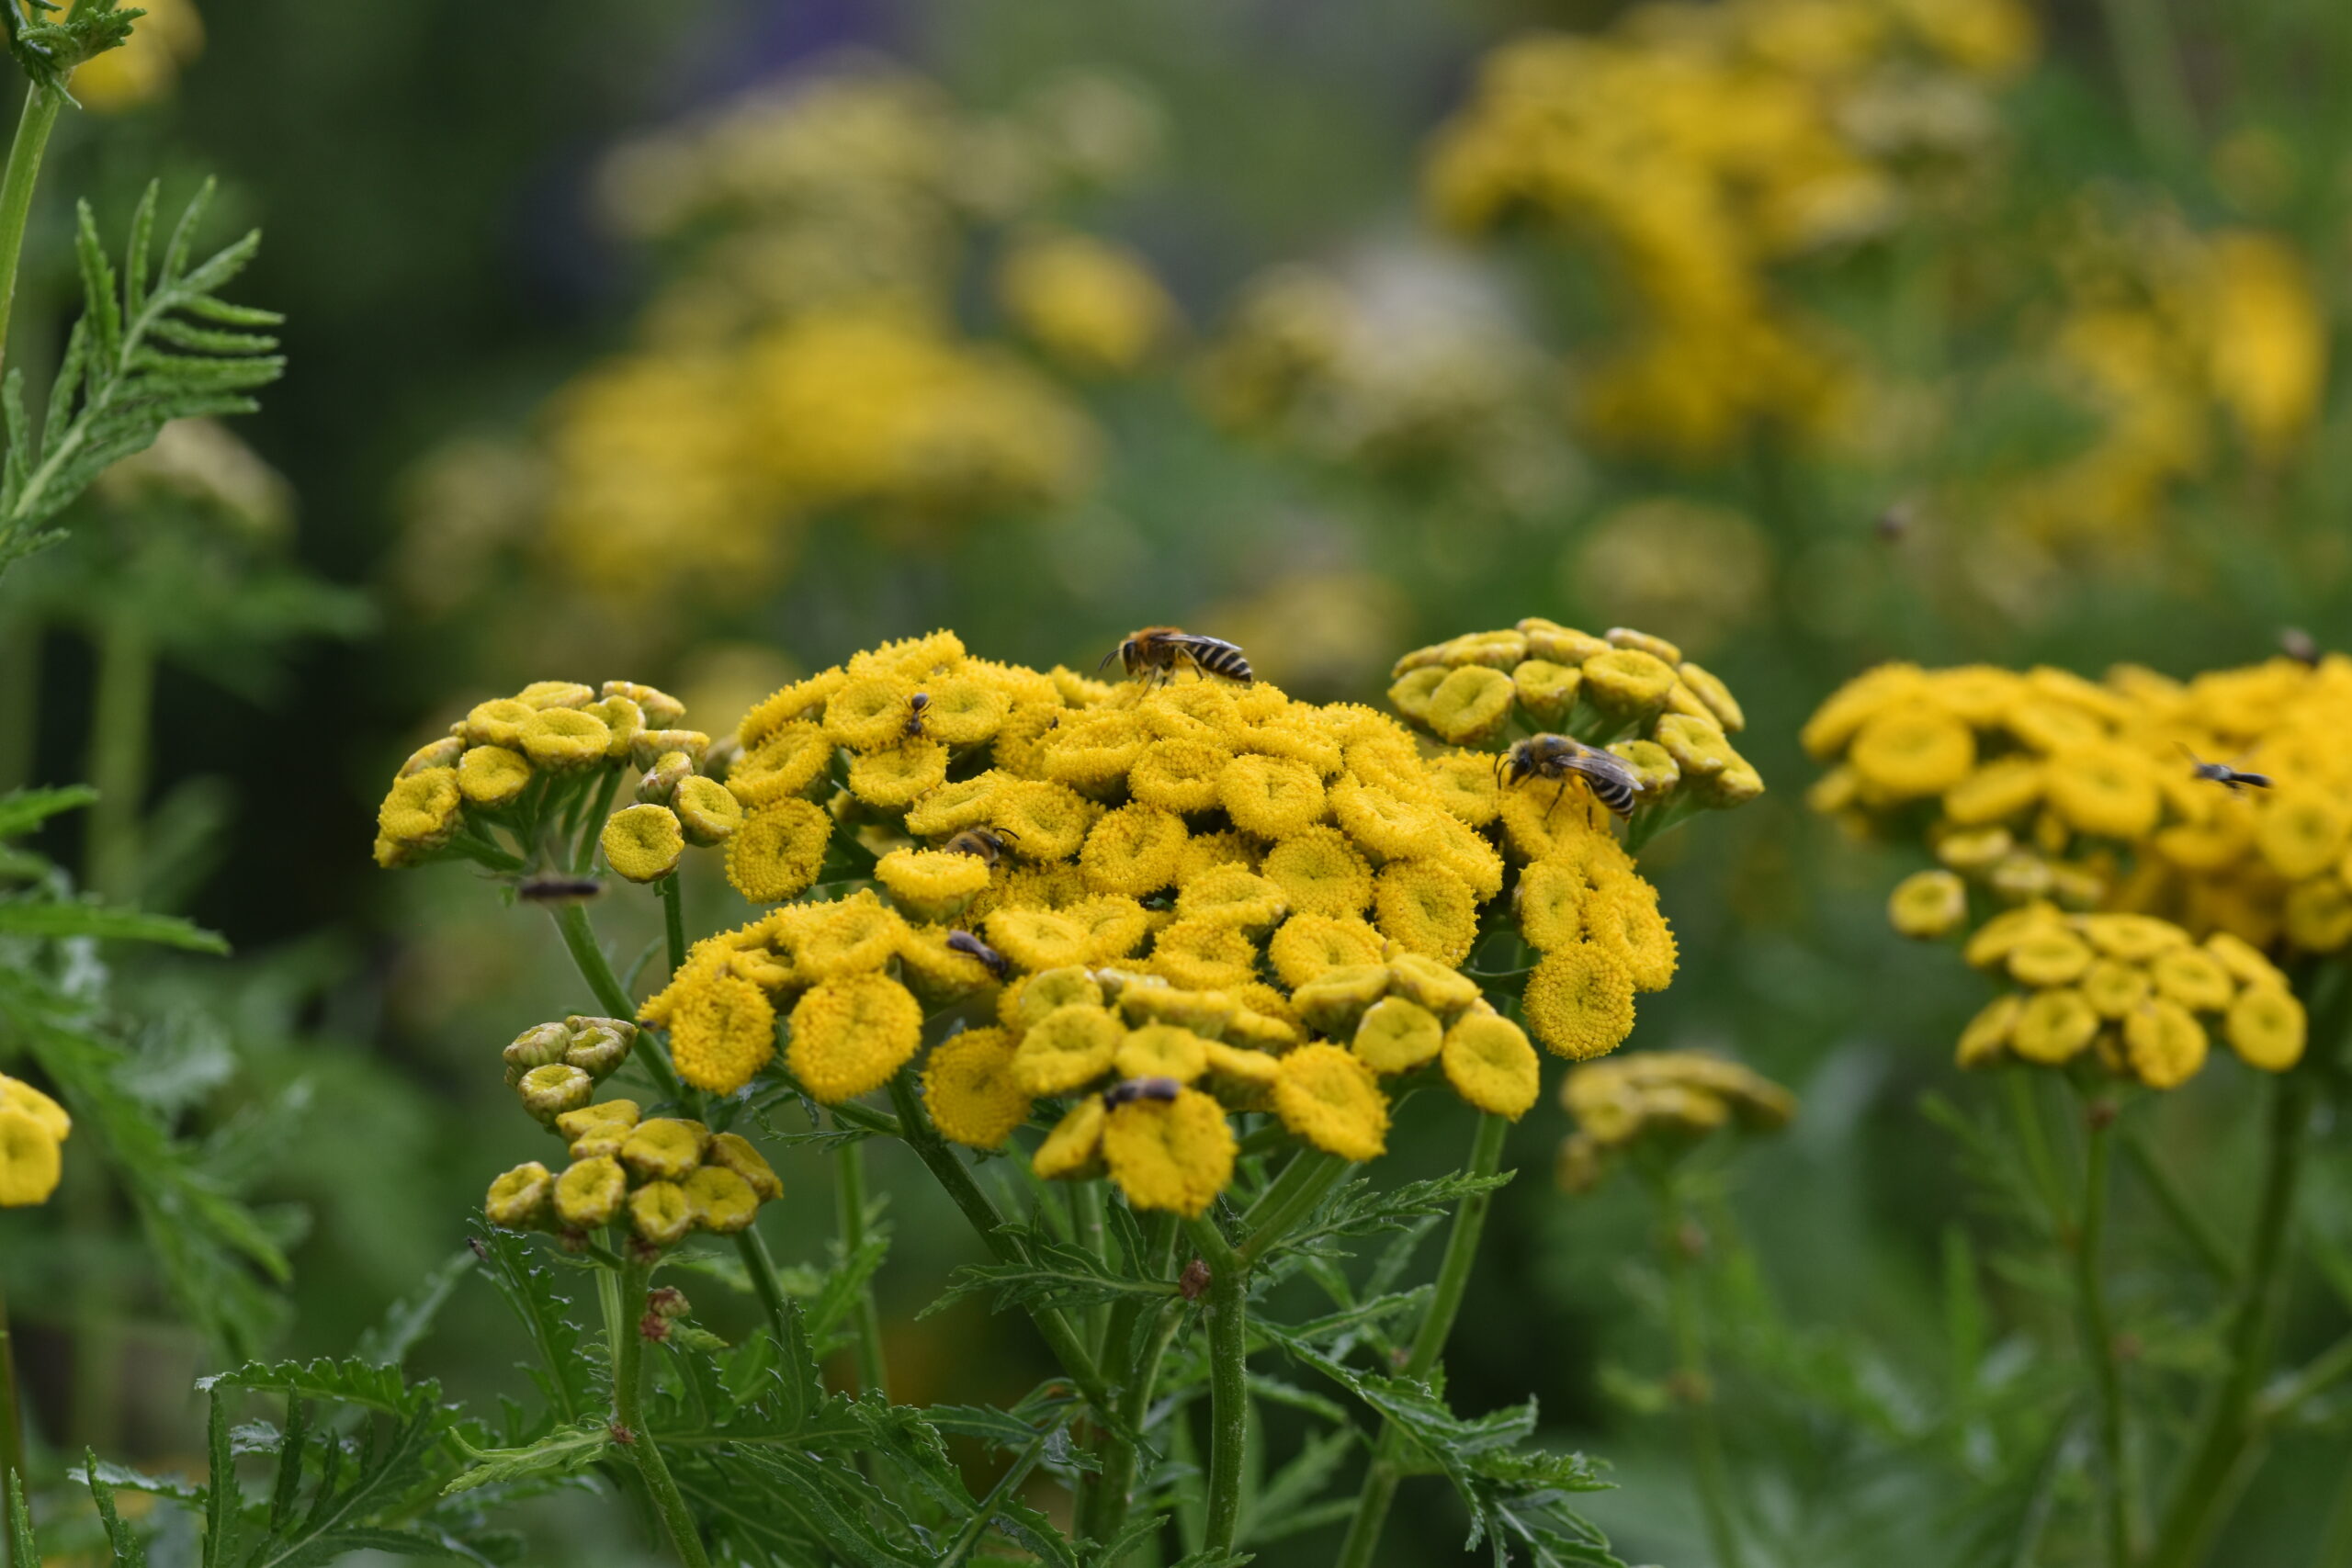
(2053, 1026)
(1913, 751)
(1927, 904)
(722, 1030)
(720, 1201)
(30, 1160)
(2265, 1027)
(1580, 1002)
(1329, 1098)
(1396, 1036)
(850, 1035)
(492, 775)
(1068, 1152)
(1175, 1155)
(2166, 1045)
(643, 842)
(972, 1090)
(775, 855)
(1488, 1060)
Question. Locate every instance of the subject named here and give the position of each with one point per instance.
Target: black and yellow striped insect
(1157, 652)
(1559, 756)
(991, 844)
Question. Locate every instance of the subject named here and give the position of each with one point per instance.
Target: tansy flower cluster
(1698, 147)
(517, 772)
(1669, 720)
(1152, 905)
(660, 1176)
(2113, 794)
(2131, 993)
(806, 356)
(33, 1130)
(1663, 1100)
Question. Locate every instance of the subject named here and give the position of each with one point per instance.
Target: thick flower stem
(1289, 1199)
(630, 1375)
(1679, 1243)
(2216, 1471)
(2098, 1337)
(580, 940)
(1228, 1323)
(1381, 1481)
(753, 1250)
(1107, 1499)
(947, 1169)
(17, 195)
(849, 1198)
(674, 922)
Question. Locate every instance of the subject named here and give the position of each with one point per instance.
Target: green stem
(753, 1249)
(1289, 1199)
(1228, 1323)
(674, 922)
(12, 1434)
(849, 1198)
(2323, 1372)
(2194, 1227)
(2209, 1487)
(2098, 1335)
(2017, 1085)
(948, 1170)
(583, 853)
(17, 195)
(1108, 1499)
(2147, 55)
(119, 719)
(1687, 1312)
(1381, 1479)
(630, 1376)
(580, 940)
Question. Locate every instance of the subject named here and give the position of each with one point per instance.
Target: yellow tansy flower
(1580, 1002)
(722, 1030)
(1068, 1048)
(777, 851)
(868, 711)
(1308, 946)
(2265, 1027)
(1928, 905)
(896, 777)
(1274, 797)
(642, 842)
(1174, 1155)
(787, 760)
(492, 775)
(2164, 1044)
(1132, 850)
(1470, 706)
(1230, 895)
(2053, 1026)
(1488, 1060)
(930, 884)
(850, 1035)
(969, 1085)
(1072, 1150)
(565, 738)
(1428, 909)
(1330, 1098)
(1320, 872)
(1907, 752)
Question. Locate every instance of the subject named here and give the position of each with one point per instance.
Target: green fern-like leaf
(155, 342)
(49, 50)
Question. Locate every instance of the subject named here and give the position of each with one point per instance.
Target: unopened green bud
(598, 1129)
(549, 1091)
(660, 1213)
(667, 1300)
(662, 780)
(536, 1046)
(648, 747)
(518, 1200)
(599, 1049)
(722, 1201)
(707, 810)
(589, 1193)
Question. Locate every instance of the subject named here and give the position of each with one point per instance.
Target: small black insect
(1558, 757)
(991, 844)
(916, 704)
(2298, 645)
(2221, 773)
(1895, 521)
(558, 889)
(965, 942)
(1129, 1090)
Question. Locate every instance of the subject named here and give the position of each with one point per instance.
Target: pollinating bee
(991, 844)
(2222, 774)
(1157, 652)
(1127, 1091)
(1559, 756)
(996, 963)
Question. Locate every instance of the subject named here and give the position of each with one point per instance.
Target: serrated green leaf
(344, 1382)
(566, 1377)
(409, 1319)
(28, 917)
(22, 810)
(21, 1545)
(128, 1550)
(1052, 1274)
(567, 1450)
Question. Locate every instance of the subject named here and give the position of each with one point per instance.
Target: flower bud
(720, 1199)
(660, 706)
(667, 1300)
(556, 694)
(589, 1193)
(518, 1200)
(649, 746)
(627, 722)
(548, 1092)
(599, 1049)
(441, 753)
(662, 780)
(598, 1129)
(666, 1148)
(735, 1152)
(536, 1046)
(660, 1215)
(707, 810)
(642, 842)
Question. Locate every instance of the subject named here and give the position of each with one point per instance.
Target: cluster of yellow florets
(33, 1129)
(1093, 305)
(2131, 990)
(518, 764)
(662, 1176)
(2043, 784)
(1669, 1098)
(1669, 720)
(1235, 899)
(1705, 144)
